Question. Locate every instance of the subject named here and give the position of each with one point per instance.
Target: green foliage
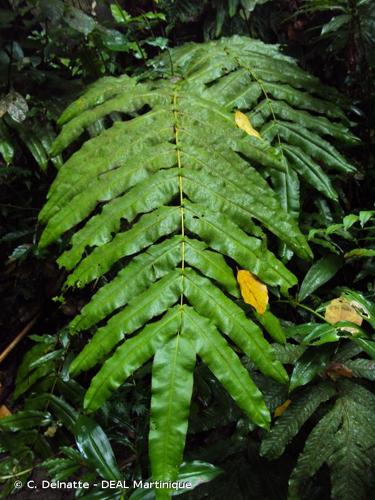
(52, 420)
(309, 365)
(352, 26)
(96, 448)
(362, 368)
(318, 274)
(352, 239)
(218, 16)
(336, 411)
(50, 51)
(314, 333)
(344, 439)
(182, 175)
(289, 424)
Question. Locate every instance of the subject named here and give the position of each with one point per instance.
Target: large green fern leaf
(173, 195)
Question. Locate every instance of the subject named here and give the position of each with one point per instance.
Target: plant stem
(9, 476)
(294, 303)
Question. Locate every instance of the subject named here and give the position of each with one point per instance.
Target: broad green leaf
(32, 357)
(224, 236)
(33, 143)
(367, 345)
(287, 188)
(272, 325)
(336, 23)
(349, 220)
(96, 94)
(149, 228)
(26, 419)
(172, 386)
(61, 469)
(79, 21)
(316, 147)
(131, 281)
(95, 447)
(117, 41)
(319, 273)
(23, 385)
(320, 333)
(365, 216)
(195, 473)
(309, 365)
(120, 15)
(61, 410)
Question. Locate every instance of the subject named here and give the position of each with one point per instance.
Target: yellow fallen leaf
(4, 411)
(51, 431)
(244, 124)
(342, 310)
(281, 409)
(253, 291)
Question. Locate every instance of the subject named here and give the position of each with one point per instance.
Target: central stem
(180, 186)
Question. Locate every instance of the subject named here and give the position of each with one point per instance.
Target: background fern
(337, 414)
(343, 438)
(179, 192)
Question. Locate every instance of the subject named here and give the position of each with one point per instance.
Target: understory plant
(331, 397)
(197, 175)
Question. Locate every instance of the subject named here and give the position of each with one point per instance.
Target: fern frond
(344, 439)
(169, 199)
(319, 446)
(290, 423)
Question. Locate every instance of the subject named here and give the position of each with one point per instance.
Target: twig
(295, 304)
(18, 338)
(10, 476)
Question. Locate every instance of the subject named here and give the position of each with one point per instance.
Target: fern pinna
(343, 438)
(176, 197)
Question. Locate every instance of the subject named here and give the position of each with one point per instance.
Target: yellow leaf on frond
(244, 124)
(253, 291)
(281, 409)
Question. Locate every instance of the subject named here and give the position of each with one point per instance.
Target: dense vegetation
(188, 244)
